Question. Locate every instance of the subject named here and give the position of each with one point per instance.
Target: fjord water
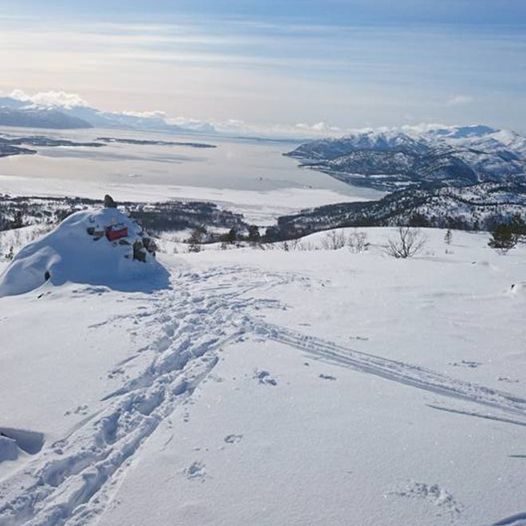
(235, 166)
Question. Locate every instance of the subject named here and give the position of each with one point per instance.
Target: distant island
(144, 142)
(19, 145)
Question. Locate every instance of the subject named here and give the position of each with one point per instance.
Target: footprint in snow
(80, 410)
(508, 380)
(196, 471)
(233, 439)
(466, 363)
(434, 495)
(115, 372)
(264, 377)
(327, 377)
(359, 338)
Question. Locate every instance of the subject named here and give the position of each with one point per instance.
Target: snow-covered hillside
(390, 158)
(271, 387)
(477, 207)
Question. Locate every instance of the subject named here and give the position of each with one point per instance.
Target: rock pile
(99, 246)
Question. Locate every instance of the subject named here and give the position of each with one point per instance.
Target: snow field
(273, 387)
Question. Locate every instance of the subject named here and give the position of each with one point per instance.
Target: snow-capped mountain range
(27, 113)
(398, 157)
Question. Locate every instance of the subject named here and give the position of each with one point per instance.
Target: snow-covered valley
(272, 387)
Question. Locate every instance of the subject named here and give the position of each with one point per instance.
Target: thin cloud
(319, 128)
(157, 114)
(460, 100)
(50, 99)
(305, 71)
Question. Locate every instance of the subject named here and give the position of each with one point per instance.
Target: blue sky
(346, 63)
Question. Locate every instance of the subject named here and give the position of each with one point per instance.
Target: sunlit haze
(293, 65)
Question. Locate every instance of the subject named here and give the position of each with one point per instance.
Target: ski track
(400, 372)
(72, 480)
(516, 520)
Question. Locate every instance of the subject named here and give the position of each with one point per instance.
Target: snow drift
(95, 246)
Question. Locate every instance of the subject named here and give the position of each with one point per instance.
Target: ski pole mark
(478, 415)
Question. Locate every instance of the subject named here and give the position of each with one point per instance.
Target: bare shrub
(294, 244)
(286, 246)
(357, 242)
(307, 246)
(195, 240)
(409, 242)
(333, 240)
(265, 246)
(15, 239)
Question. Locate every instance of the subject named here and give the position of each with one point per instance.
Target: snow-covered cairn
(96, 246)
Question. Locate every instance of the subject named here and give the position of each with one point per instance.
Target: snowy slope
(272, 387)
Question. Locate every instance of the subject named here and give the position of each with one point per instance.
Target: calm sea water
(235, 164)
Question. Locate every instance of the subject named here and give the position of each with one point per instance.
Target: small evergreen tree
(231, 236)
(18, 221)
(418, 219)
(253, 234)
(503, 238)
(519, 226)
(272, 234)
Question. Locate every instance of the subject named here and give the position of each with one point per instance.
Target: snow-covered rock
(80, 250)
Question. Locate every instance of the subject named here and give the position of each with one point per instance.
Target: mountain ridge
(26, 113)
(477, 207)
(48, 118)
(394, 158)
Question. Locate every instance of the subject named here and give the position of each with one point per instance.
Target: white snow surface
(273, 388)
(69, 254)
(259, 207)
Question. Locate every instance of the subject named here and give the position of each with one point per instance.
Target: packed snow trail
(191, 323)
(72, 480)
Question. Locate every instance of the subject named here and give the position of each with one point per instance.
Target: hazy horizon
(325, 66)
